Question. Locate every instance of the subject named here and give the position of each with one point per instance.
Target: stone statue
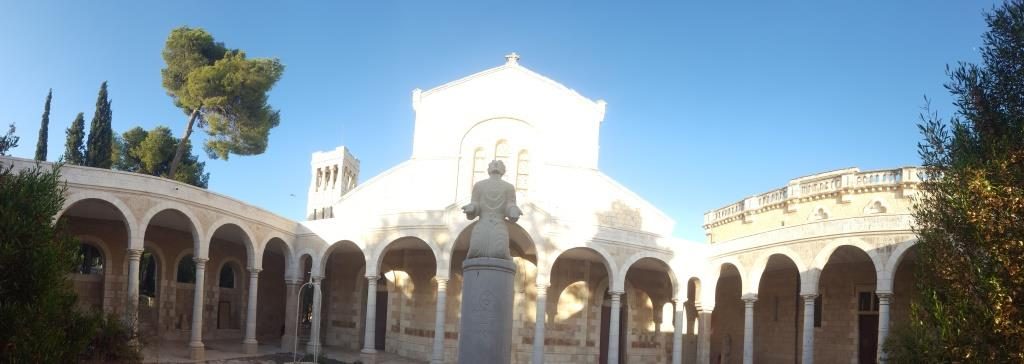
(493, 201)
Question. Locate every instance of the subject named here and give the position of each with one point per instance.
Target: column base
(368, 356)
(196, 351)
(250, 347)
(288, 343)
(311, 348)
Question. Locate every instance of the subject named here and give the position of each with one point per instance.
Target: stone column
(748, 328)
(808, 342)
(442, 297)
(613, 328)
(538, 327)
(704, 334)
(369, 345)
(677, 335)
(883, 323)
(134, 256)
(249, 345)
(291, 306)
(197, 350)
(314, 331)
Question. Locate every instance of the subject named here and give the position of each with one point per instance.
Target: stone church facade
(817, 270)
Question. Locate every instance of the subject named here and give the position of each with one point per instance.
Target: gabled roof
(511, 65)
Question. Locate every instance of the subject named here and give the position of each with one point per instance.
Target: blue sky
(708, 102)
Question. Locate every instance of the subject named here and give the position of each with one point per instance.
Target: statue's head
(496, 167)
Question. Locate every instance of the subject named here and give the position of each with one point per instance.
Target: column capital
(616, 294)
(134, 254)
(809, 296)
(442, 283)
(316, 279)
(292, 281)
(372, 278)
(200, 262)
(749, 301)
(542, 288)
(254, 271)
(884, 296)
(749, 297)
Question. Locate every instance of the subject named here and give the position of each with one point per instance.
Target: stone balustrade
(850, 180)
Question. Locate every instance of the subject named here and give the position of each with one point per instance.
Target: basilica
(817, 270)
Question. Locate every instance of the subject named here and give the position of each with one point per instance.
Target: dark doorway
(868, 338)
(606, 313)
(381, 327)
(224, 315)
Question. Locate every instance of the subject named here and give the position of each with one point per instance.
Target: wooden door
(867, 338)
(224, 315)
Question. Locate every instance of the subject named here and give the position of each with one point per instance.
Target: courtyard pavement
(230, 352)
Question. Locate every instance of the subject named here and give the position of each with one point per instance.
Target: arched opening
(847, 305)
(305, 309)
(407, 268)
(577, 305)
(777, 318)
(272, 294)
(904, 289)
(727, 317)
(343, 292)
(650, 289)
(524, 255)
(104, 231)
(171, 233)
(229, 251)
(88, 275)
(149, 292)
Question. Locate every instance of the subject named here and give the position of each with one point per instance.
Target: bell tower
(334, 173)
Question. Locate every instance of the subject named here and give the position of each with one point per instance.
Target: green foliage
(99, 147)
(74, 147)
(40, 324)
(150, 152)
(44, 129)
(222, 91)
(970, 214)
(111, 341)
(8, 141)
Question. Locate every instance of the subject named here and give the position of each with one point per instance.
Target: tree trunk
(181, 144)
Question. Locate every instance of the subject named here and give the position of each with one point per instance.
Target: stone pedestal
(485, 331)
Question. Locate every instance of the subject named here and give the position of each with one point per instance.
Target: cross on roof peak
(512, 58)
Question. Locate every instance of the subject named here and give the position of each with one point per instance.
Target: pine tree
(101, 135)
(74, 148)
(970, 214)
(151, 152)
(44, 129)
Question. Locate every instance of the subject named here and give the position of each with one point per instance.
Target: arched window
(523, 171)
(147, 274)
(502, 153)
(227, 277)
(92, 259)
(479, 166)
(187, 270)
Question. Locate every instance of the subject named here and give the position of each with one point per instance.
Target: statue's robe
(495, 200)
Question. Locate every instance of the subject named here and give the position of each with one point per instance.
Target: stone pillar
(883, 323)
(704, 334)
(442, 297)
(677, 335)
(249, 345)
(369, 344)
(613, 328)
(291, 307)
(485, 328)
(197, 350)
(808, 342)
(134, 256)
(748, 328)
(538, 327)
(314, 331)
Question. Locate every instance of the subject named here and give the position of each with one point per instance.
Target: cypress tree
(44, 129)
(74, 150)
(101, 135)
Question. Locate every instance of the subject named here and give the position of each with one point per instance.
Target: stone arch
(131, 223)
(100, 245)
(377, 256)
(177, 261)
(757, 271)
(197, 232)
(320, 260)
(527, 245)
(886, 275)
(544, 269)
(297, 272)
(247, 236)
(809, 280)
(289, 256)
(241, 275)
(621, 276)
